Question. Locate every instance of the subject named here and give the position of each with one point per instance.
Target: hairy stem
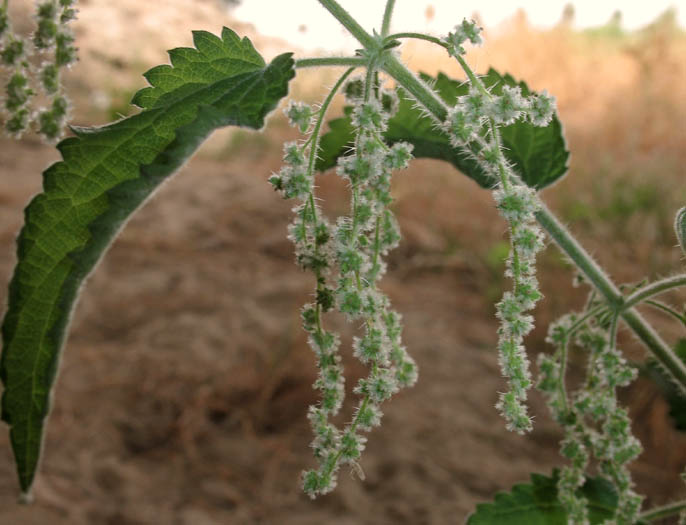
(654, 289)
(330, 61)
(388, 13)
(418, 89)
(320, 119)
(349, 23)
(417, 36)
(670, 311)
(313, 156)
(472, 77)
(665, 511)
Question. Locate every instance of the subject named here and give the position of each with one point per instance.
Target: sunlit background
(309, 26)
(184, 386)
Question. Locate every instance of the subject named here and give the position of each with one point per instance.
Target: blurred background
(185, 382)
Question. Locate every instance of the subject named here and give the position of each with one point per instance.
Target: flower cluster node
(509, 106)
(468, 30)
(347, 260)
(299, 115)
(542, 107)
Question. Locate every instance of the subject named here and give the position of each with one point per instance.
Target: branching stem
(654, 289)
(330, 61)
(417, 36)
(667, 309)
(665, 511)
(320, 118)
(567, 243)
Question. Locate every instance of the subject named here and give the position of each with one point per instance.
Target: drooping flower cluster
(593, 423)
(52, 42)
(517, 204)
(472, 126)
(347, 260)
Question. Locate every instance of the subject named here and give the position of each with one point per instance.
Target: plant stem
(472, 77)
(314, 138)
(388, 13)
(654, 289)
(349, 23)
(663, 512)
(562, 387)
(417, 36)
(330, 61)
(591, 313)
(667, 310)
(320, 119)
(418, 89)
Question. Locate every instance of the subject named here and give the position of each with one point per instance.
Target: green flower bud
(368, 416)
(308, 314)
(18, 122)
(18, 91)
(352, 446)
(293, 155)
(12, 52)
(4, 21)
(389, 102)
(371, 347)
(65, 52)
(369, 116)
(325, 298)
(541, 109)
(399, 156)
(354, 90)
(406, 372)
(49, 77)
(299, 114)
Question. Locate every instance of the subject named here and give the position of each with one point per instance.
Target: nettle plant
(492, 128)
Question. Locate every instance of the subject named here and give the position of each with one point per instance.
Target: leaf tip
(26, 498)
(229, 34)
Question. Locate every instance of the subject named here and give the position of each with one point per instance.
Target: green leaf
(538, 155)
(536, 503)
(106, 174)
(671, 392)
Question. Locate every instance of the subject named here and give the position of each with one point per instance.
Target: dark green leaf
(106, 174)
(336, 142)
(672, 393)
(536, 503)
(539, 155)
